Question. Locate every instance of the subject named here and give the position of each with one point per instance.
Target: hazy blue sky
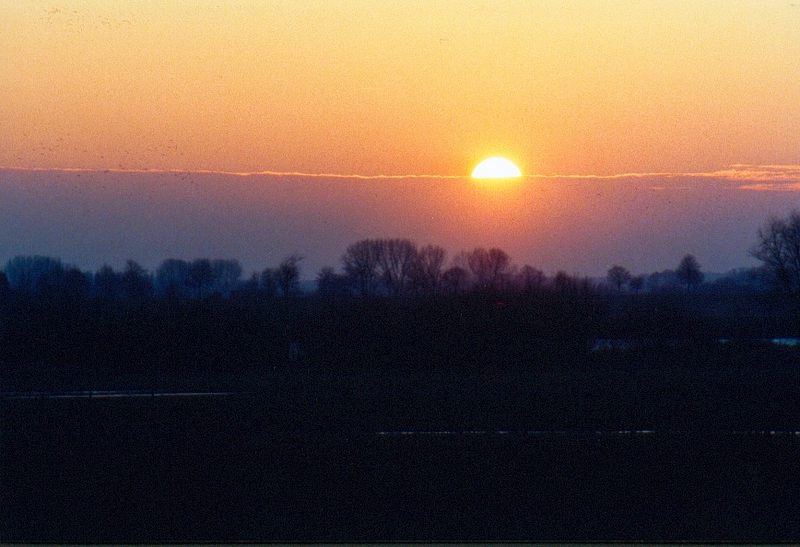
(580, 225)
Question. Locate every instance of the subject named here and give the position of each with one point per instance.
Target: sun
(496, 168)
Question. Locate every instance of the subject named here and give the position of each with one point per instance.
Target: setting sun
(496, 168)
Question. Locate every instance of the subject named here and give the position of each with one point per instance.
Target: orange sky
(399, 87)
(697, 101)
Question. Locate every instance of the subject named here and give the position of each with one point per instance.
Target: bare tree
(478, 262)
(428, 268)
(396, 261)
(360, 262)
(500, 264)
(618, 277)
(530, 280)
(289, 275)
(489, 268)
(455, 280)
(689, 272)
(779, 249)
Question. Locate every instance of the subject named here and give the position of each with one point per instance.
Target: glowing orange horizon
(307, 88)
(765, 177)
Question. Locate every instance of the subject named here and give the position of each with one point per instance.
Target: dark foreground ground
(297, 453)
(234, 468)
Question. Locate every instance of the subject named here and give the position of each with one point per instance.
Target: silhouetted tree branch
(618, 277)
(689, 272)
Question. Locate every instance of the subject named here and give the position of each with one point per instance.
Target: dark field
(299, 452)
(299, 457)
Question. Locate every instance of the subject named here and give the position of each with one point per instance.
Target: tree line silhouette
(370, 268)
(392, 303)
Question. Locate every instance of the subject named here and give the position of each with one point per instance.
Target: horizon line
(765, 177)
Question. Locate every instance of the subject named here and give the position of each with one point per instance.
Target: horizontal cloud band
(759, 177)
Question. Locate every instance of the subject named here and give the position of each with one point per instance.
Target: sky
(149, 129)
